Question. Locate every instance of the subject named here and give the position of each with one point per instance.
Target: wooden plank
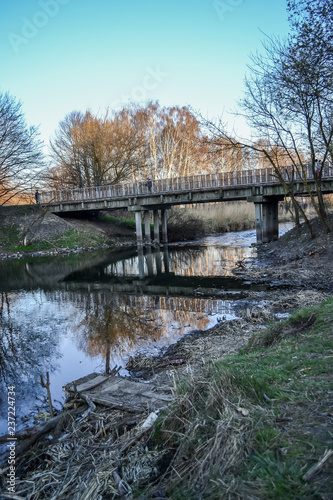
(89, 384)
(121, 393)
(161, 397)
(115, 403)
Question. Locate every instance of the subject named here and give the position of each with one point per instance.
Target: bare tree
(173, 141)
(21, 156)
(93, 151)
(288, 102)
(132, 144)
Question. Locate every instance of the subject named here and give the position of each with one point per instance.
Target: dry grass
(96, 457)
(211, 427)
(225, 217)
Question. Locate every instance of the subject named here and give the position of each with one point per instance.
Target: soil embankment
(23, 226)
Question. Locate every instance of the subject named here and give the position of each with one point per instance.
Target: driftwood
(145, 427)
(86, 383)
(311, 472)
(114, 403)
(12, 496)
(46, 385)
(91, 407)
(123, 493)
(27, 437)
(119, 393)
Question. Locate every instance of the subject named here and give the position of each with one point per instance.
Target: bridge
(259, 186)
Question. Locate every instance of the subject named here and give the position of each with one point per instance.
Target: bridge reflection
(200, 261)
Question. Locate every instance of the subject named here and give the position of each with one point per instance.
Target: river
(71, 316)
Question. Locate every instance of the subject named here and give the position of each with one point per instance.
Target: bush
(185, 226)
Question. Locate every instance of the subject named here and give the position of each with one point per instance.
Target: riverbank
(31, 231)
(251, 413)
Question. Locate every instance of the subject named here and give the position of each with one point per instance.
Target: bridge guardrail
(255, 177)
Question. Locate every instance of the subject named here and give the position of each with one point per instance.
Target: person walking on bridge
(37, 197)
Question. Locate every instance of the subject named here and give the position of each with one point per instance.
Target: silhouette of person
(37, 197)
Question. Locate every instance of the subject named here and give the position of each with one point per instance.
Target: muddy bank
(296, 260)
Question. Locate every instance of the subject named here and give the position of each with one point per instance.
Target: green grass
(130, 223)
(258, 420)
(69, 239)
(9, 235)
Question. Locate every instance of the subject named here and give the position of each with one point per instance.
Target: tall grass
(224, 217)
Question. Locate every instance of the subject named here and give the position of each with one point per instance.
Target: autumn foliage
(132, 144)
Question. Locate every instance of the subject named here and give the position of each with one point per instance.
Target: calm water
(87, 313)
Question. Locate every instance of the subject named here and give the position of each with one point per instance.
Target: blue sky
(57, 56)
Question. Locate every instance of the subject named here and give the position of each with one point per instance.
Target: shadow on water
(82, 313)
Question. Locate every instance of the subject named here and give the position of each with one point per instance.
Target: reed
(225, 217)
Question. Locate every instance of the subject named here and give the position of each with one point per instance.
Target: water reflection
(83, 313)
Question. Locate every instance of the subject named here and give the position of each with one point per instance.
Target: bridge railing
(255, 177)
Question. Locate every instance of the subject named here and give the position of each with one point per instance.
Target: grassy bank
(12, 240)
(256, 424)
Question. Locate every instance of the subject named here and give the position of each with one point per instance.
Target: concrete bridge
(258, 186)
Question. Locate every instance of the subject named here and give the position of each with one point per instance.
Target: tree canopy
(21, 156)
(132, 144)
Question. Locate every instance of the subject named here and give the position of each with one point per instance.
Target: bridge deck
(226, 182)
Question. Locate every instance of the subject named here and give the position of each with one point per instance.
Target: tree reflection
(10, 343)
(26, 350)
(208, 261)
(112, 329)
(114, 326)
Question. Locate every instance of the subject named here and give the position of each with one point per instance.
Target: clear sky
(58, 56)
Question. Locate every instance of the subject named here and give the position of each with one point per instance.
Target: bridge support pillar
(267, 221)
(147, 227)
(156, 228)
(270, 229)
(158, 260)
(258, 215)
(138, 224)
(164, 226)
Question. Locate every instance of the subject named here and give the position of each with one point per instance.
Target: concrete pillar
(141, 262)
(158, 260)
(166, 260)
(164, 226)
(270, 221)
(156, 228)
(138, 224)
(149, 260)
(147, 227)
(258, 215)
